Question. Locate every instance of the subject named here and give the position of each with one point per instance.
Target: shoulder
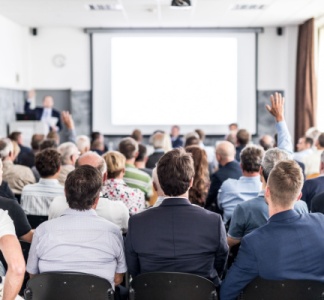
(229, 183)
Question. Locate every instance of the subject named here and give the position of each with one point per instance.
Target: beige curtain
(306, 98)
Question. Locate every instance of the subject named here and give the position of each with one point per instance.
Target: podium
(28, 128)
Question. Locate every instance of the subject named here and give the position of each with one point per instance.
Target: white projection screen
(152, 80)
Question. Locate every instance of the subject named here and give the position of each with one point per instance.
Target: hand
(277, 107)
(67, 120)
(118, 279)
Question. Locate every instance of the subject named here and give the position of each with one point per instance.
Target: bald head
(266, 142)
(92, 159)
(225, 152)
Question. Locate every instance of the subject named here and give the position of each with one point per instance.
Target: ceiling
(158, 14)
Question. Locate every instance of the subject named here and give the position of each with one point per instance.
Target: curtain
(306, 98)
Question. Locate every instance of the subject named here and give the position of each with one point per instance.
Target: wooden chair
(67, 286)
(171, 286)
(262, 289)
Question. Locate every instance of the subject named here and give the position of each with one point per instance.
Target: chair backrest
(67, 286)
(34, 220)
(171, 286)
(283, 289)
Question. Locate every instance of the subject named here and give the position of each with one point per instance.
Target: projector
(181, 3)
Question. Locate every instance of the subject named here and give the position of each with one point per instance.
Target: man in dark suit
(288, 246)
(177, 236)
(45, 112)
(228, 168)
(175, 137)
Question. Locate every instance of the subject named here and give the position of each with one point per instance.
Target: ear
(155, 186)
(95, 203)
(299, 196)
(191, 182)
(267, 192)
(136, 154)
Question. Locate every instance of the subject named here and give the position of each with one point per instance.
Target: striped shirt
(78, 241)
(36, 198)
(136, 178)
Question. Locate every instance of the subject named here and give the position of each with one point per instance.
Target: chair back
(34, 220)
(171, 286)
(262, 289)
(67, 286)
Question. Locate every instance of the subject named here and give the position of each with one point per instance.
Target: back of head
(47, 162)
(92, 159)
(128, 147)
(309, 141)
(83, 143)
(6, 148)
(285, 183)
(271, 158)
(16, 149)
(191, 138)
(67, 150)
(243, 137)
(199, 157)
(320, 140)
(175, 170)
(251, 158)
(266, 142)
(48, 143)
(158, 140)
(96, 135)
(201, 134)
(36, 141)
(15, 136)
(142, 151)
(82, 187)
(115, 163)
(54, 136)
(226, 150)
(137, 135)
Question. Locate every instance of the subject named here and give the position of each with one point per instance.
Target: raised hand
(277, 106)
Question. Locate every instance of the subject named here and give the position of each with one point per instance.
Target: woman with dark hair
(199, 190)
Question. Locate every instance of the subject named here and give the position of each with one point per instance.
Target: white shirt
(6, 224)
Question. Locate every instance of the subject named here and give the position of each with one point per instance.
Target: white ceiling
(157, 13)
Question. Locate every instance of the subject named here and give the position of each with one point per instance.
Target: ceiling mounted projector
(181, 3)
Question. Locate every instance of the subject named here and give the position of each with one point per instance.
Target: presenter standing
(46, 113)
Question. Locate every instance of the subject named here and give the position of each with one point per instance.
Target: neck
(51, 177)
(250, 174)
(185, 195)
(277, 209)
(140, 164)
(131, 161)
(225, 160)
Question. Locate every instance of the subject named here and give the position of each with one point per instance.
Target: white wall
(14, 58)
(74, 45)
(277, 66)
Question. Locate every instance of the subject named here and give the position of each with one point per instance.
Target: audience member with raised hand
(80, 240)
(113, 211)
(277, 250)
(11, 250)
(69, 128)
(36, 198)
(198, 191)
(116, 189)
(154, 234)
(16, 176)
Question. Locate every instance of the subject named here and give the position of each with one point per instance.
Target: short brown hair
(47, 162)
(175, 169)
(82, 187)
(115, 163)
(321, 140)
(251, 158)
(128, 147)
(285, 182)
(243, 137)
(137, 135)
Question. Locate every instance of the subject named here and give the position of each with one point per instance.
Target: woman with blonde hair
(116, 189)
(199, 190)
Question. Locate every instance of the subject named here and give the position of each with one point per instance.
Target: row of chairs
(163, 286)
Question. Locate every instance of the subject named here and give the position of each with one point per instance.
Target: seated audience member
(198, 191)
(98, 143)
(36, 198)
(5, 191)
(157, 189)
(277, 250)
(17, 137)
(167, 144)
(113, 211)
(231, 136)
(243, 138)
(53, 135)
(134, 177)
(83, 144)
(116, 189)
(28, 158)
(229, 168)
(313, 160)
(314, 186)
(16, 176)
(69, 154)
(68, 132)
(317, 203)
(304, 148)
(191, 138)
(175, 137)
(157, 142)
(141, 159)
(254, 213)
(11, 250)
(137, 135)
(154, 234)
(235, 191)
(266, 142)
(80, 240)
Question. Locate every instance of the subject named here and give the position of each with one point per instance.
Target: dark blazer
(177, 143)
(230, 170)
(177, 237)
(153, 159)
(317, 203)
(311, 188)
(289, 246)
(38, 111)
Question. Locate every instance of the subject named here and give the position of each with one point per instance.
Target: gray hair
(82, 142)
(6, 147)
(67, 150)
(271, 158)
(158, 140)
(93, 159)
